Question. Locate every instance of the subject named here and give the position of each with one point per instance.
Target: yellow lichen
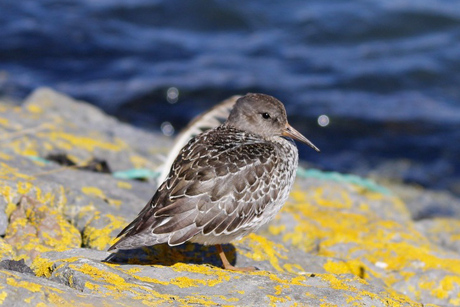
(204, 270)
(293, 268)
(23, 187)
(337, 283)
(124, 185)
(88, 210)
(447, 227)
(98, 274)
(35, 228)
(34, 109)
(115, 286)
(140, 162)
(4, 156)
(4, 121)
(10, 207)
(264, 249)
(228, 299)
(341, 267)
(276, 230)
(69, 141)
(3, 296)
(6, 250)
(27, 147)
(344, 201)
(393, 298)
(96, 192)
(325, 304)
(41, 267)
(30, 286)
(442, 289)
(297, 280)
(93, 191)
(7, 172)
(101, 239)
(279, 289)
(275, 300)
(371, 240)
(59, 300)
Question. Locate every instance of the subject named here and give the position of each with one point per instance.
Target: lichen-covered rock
(3, 219)
(374, 235)
(21, 289)
(51, 123)
(340, 240)
(6, 250)
(100, 231)
(185, 284)
(35, 228)
(16, 265)
(444, 232)
(427, 204)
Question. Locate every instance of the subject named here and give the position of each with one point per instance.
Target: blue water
(386, 73)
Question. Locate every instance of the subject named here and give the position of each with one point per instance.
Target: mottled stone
(3, 217)
(20, 289)
(84, 132)
(187, 284)
(443, 232)
(6, 250)
(100, 231)
(16, 266)
(373, 234)
(35, 228)
(427, 204)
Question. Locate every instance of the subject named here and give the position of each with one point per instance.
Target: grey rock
(6, 251)
(427, 204)
(202, 284)
(443, 232)
(3, 217)
(436, 281)
(20, 289)
(17, 266)
(86, 117)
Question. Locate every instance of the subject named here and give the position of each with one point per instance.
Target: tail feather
(137, 241)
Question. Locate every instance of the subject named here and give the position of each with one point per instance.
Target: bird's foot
(228, 266)
(246, 269)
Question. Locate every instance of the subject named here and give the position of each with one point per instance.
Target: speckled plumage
(225, 183)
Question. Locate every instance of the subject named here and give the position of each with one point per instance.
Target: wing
(219, 183)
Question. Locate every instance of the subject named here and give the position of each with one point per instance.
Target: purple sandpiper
(225, 183)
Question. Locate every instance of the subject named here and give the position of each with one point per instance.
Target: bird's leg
(227, 264)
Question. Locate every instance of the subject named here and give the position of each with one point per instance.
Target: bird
(225, 182)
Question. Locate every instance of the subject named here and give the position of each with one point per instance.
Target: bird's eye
(266, 115)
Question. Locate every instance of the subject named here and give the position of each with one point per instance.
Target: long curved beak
(296, 135)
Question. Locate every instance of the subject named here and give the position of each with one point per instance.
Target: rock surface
(339, 241)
